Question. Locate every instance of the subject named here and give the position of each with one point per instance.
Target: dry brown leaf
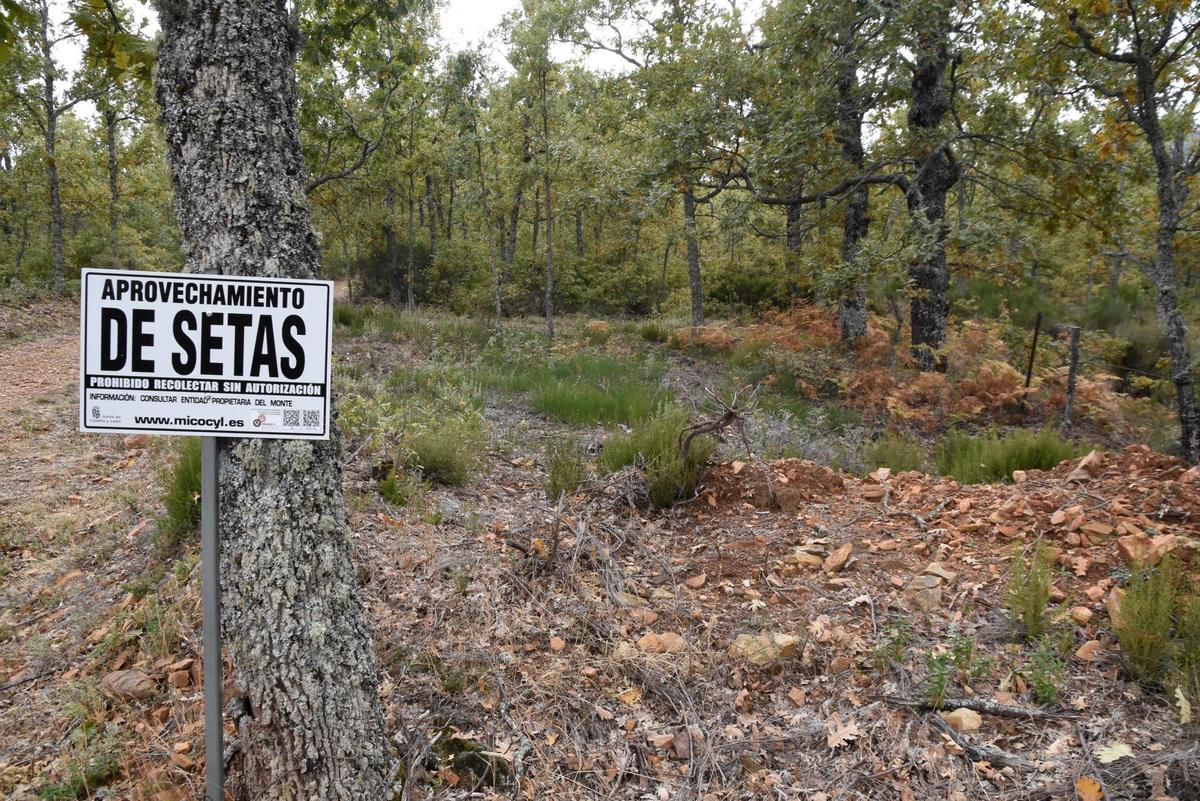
(1088, 789)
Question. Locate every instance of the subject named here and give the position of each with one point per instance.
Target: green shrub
(449, 453)
(975, 459)
(1029, 592)
(565, 467)
(939, 670)
(1147, 621)
(180, 483)
(654, 444)
(401, 489)
(352, 317)
(898, 452)
(654, 331)
(84, 777)
(1045, 669)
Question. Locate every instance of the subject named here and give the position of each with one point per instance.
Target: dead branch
(981, 705)
(982, 753)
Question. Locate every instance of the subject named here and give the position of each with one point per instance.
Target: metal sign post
(214, 356)
(210, 592)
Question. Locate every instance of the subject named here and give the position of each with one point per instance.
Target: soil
(602, 649)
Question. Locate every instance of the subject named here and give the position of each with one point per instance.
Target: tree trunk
(514, 219)
(411, 275)
(579, 233)
(450, 210)
(935, 174)
(549, 307)
(389, 238)
(110, 129)
(429, 217)
(50, 140)
(793, 238)
(311, 725)
(853, 310)
(1162, 274)
(537, 217)
(693, 256)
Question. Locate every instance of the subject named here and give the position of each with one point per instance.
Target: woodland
(788, 400)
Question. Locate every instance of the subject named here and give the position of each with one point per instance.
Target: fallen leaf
(839, 733)
(1185, 707)
(797, 696)
(557, 644)
(1114, 750)
(696, 582)
(1088, 789)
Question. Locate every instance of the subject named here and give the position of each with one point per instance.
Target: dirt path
(31, 370)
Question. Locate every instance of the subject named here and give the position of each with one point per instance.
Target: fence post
(1072, 369)
(1037, 328)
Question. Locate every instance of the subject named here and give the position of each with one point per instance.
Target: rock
(1140, 549)
(1081, 615)
(806, 558)
(666, 643)
(1090, 651)
(940, 570)
(764, 648)
(135, 441)
(963, 719)
(180, 678)
(128, 684)
(1088, 468)
(924, 593)
(1057, 595)
(1112, 604)
(837, 560)
(557, 644)
(696, 582)
(1020, 476)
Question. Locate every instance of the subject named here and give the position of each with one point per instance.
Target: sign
(216, 355)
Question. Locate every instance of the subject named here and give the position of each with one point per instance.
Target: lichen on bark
(292, 616)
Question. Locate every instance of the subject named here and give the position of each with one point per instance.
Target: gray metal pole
(210, 592)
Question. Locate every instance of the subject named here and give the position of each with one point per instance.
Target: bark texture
(852, 314)
(50, 141)
(294, 626)
(936, 173)
(110, 132)
(693, 256)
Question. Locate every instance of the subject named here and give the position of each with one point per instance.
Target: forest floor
(780, 635)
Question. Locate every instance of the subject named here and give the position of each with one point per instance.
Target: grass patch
(976, 459)
(1029, 592)
(654, 331)
(654, 444)
(898, 452)
(447, 454)
(585, 389)
(180, 484)
(84, 776)
(565, 467)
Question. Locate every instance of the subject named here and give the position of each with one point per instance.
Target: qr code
(312, 418)
(291, 417)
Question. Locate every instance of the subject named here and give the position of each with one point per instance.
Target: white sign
(220, 356)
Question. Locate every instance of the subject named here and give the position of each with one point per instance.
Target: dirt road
(35, 369)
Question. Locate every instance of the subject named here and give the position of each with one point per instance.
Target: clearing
(785, 632)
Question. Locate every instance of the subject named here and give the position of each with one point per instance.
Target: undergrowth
(1159, 628)
(655, 445)
(180, 483)
(565, 467)
(981, 458)
(1029, 592)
